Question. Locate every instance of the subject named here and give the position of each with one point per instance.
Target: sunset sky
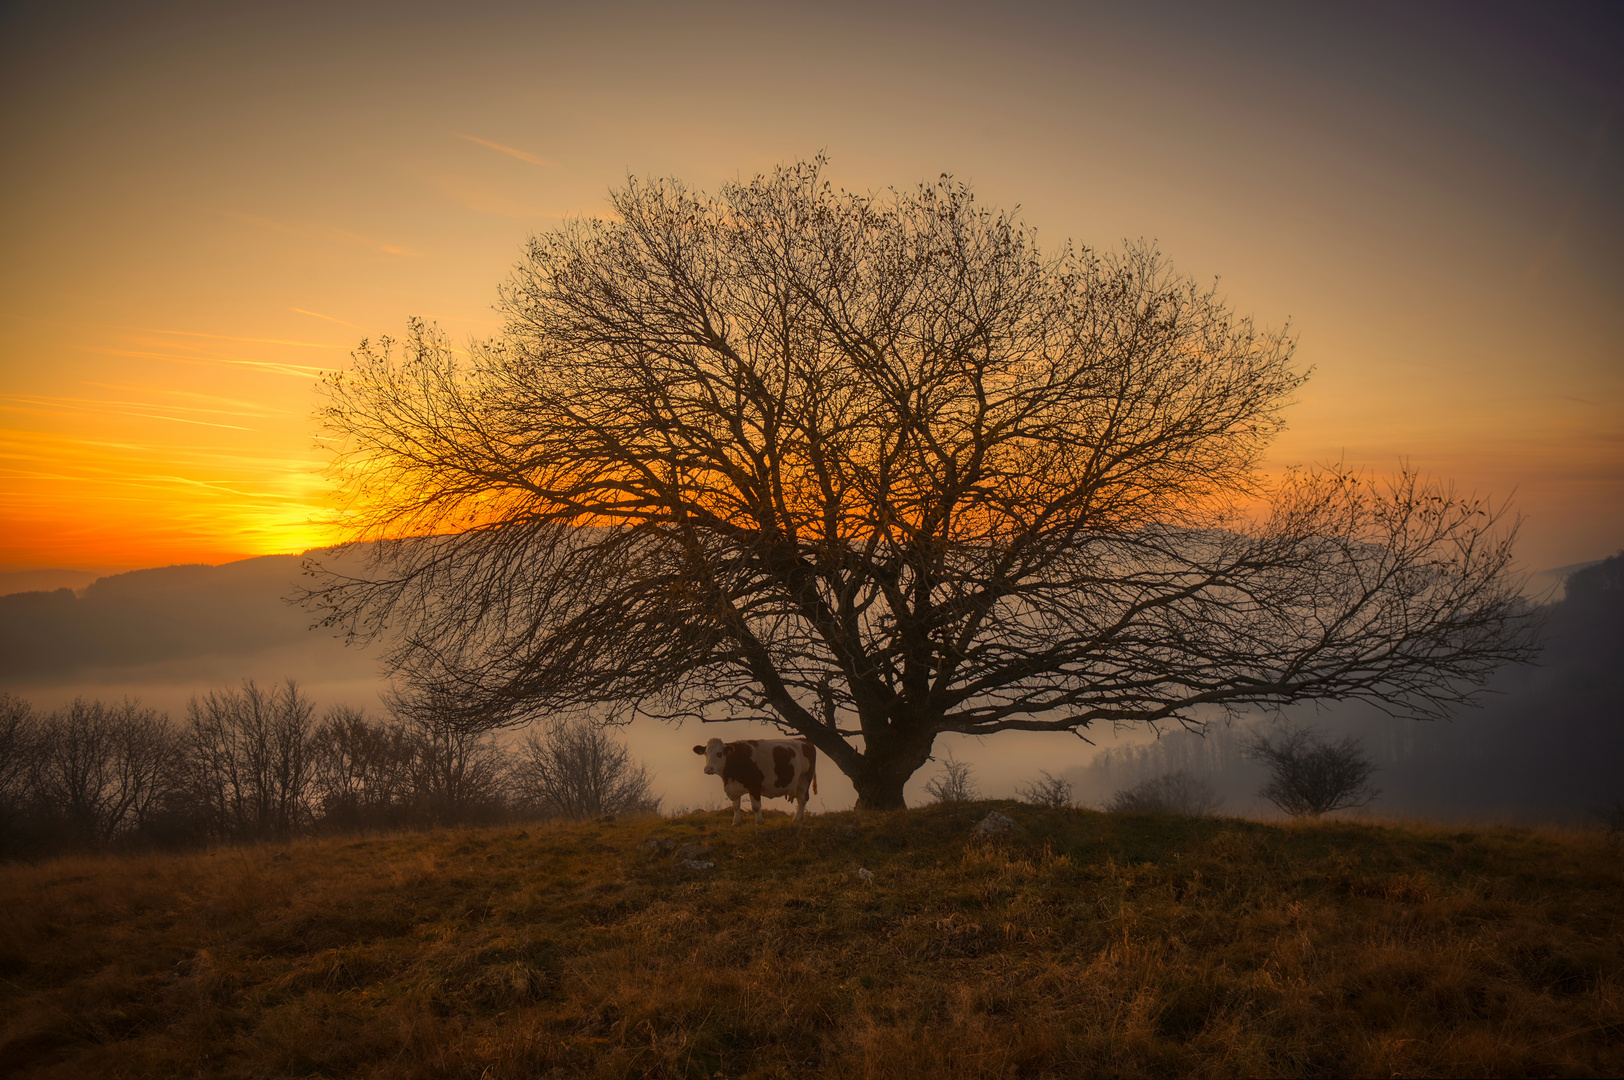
(204, 205)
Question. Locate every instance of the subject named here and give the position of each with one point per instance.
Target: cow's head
(715, 754)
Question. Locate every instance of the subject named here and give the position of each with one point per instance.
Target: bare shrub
(954, 783)
(1309, 776)
(458, 775)
(1171, 793)
(579, 770)
(1050, 791)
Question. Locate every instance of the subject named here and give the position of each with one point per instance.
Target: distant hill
(19, 581)
(1549, 586)
(148, 616)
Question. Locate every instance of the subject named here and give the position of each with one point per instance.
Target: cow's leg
(736, 799)
(755, 804)
(800, 803)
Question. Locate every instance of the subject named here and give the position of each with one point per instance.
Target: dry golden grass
(1090, 944)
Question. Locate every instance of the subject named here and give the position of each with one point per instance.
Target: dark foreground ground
(1088, 944)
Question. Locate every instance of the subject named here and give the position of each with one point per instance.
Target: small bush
(579, 770)
(954, 784)
(1051, 791)
(1309, 776)
(1171, 793)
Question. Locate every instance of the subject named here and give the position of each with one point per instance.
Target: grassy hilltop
(1088, 943)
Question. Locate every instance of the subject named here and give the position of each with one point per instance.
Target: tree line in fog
(254, 763)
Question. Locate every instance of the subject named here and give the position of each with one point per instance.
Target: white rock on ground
(993, 824)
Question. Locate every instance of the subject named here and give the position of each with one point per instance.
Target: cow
(763, 767)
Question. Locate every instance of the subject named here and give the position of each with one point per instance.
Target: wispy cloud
(162, 497)
(229, 337)
(251, 408)
(477, 197)
(171, 333)
(300, 371)
(58, 449)
(508, 150)
(25, 403)
(316, 230)
(123, 471)
(319, 315)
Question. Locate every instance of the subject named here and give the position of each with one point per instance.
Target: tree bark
(884, 793)
(887, 768)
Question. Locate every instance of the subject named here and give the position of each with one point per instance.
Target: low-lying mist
(1547, 744)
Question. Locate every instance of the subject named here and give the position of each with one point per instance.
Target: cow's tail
(812, 765)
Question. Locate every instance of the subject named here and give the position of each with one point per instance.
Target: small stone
(692, 851)
(697, 864)
(993, 824)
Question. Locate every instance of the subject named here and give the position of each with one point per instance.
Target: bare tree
(249, 759)
(148, 771)
(101, 769)
(875, 468)
(577, 769)
(954, 783)
(19, 743)
(1309, 776)
(361, 773)
(1171, 793)
(1051, 791)
(458, 772)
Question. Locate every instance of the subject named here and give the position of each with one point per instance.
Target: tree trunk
(880, 793)
(888, 766)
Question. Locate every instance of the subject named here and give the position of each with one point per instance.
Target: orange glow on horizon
(169, 447)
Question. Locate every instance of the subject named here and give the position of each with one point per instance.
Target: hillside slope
(173, 612)
(1089, 943)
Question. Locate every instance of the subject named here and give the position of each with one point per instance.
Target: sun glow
(163, 446)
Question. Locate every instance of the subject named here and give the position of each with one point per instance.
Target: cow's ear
(699, 749)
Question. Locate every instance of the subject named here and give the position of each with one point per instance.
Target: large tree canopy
(873, 468)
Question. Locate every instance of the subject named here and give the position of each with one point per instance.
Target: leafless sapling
(955, 783)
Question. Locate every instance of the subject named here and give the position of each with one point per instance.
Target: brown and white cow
(763, 767)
